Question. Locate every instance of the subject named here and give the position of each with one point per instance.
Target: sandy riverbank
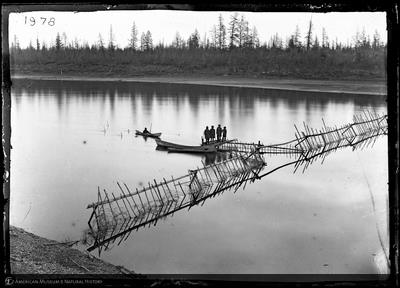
(372, 87)
(31, 254)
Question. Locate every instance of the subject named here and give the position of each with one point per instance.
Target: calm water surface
(70, 137)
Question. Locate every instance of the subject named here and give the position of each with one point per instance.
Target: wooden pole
(133, 211)
(130, 194)
(140, 198)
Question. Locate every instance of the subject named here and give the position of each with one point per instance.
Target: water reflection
(242, 100)
(206, 158)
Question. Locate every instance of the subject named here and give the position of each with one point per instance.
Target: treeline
(229, 49)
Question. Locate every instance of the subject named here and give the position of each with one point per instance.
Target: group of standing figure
(209, 134)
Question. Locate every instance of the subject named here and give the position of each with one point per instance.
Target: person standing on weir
(224, 134)
(212, 133)
(207, 135)
(219, 132)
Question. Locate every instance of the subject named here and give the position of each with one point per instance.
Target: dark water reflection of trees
(242, 99)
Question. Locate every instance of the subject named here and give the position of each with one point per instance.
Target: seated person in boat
(145, 131)
(224, 134)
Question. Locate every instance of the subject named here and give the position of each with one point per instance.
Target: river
(70, 137)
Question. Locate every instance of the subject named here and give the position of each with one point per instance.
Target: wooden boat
(173, 147)
(152, 135)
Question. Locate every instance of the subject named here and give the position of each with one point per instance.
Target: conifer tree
(233, 30)
(221, 33)
(64, 40)
(296, 37)
(194, 40)
(143, 42)
(325, 39)
(255, 40)
(37, 44)
(58, 42)
(214, 37)
(242, 31)
(149, 40)
(309, 35)
(111, 44)
(178, 41)
(376, 42)
(133, 37)
(100, 42)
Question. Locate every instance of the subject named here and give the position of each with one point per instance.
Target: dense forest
(231, 49)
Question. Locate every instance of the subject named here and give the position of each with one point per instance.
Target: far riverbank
(371, 87)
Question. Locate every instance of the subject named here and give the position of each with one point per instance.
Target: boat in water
(204, 148)
(148, 134)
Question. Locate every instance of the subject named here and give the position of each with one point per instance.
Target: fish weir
(360, 142)
(287, 148)
(113, 217)
(309, 140)
(365, 125)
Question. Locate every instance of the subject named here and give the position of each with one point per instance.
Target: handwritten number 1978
(32, 21)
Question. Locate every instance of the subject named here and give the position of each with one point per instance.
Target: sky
(163, 24)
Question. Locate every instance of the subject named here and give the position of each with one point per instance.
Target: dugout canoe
(173, 147)
(152, 135)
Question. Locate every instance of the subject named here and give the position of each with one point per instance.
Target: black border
(392, 15)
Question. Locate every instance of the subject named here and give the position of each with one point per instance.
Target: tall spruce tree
(241, 31)
(111, 44)
(143, 42)
(194, 40)
(37, 44)
(214, 37)
(148, 41)
(316, 43)
(376, 42)
(58, 42)
(296, 37)
(133, 37)
(255, 40)
(178, 41)
(325, 39)
(64, 39)
(221, 33)
(100, 43)
(233, 30)
(309, 35)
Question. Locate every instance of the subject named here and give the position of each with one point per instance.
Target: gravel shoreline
(32, 254)
(329, 86)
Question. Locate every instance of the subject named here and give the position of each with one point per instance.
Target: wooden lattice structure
(310, 139)
(115, 217)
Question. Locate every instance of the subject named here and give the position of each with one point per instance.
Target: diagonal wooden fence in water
(310, 140)
(364, 125)
(318, 144)
(114, 217)
(360, 134)
(306, 159)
